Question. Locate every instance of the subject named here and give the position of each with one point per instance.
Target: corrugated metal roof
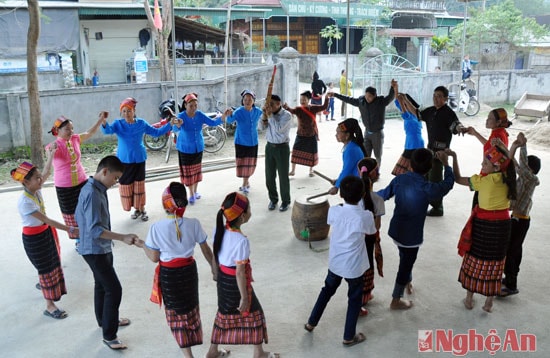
(140, 11)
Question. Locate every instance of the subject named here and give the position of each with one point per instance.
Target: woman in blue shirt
(246, 137)
(413, 130)
(349, 133)
(130, 130)
(190, 142)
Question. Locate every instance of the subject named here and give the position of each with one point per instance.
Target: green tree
(272, 43)
(498, 24)
(162, 36)
(440, 44)
(331, 32)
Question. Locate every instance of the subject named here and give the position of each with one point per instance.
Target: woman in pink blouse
(69, 174)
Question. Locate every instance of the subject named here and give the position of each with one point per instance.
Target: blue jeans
(355, 291)
(107, 293)
(407, 258)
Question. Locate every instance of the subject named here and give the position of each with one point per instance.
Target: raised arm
(93, 129)
(459, 179)
(50, 151)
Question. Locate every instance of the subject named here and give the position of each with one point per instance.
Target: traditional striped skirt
(403, 164)
(246, 158)
(304, 151)
(190, 168)
(369, 274)
(67, 199)
(482, 267)
(186, 328)
(42, 251)
(230, 326)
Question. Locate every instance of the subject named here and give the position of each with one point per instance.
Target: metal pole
(174, 54)
(347, 58)
(227, 34)
(287, 31)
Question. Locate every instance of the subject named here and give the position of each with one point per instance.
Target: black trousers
(514, 253)
(107, 293)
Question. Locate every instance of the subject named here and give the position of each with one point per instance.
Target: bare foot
(487, 308)
(468, 303)
(223, 352)
(410, 289)
(291, 174)
(400, 304)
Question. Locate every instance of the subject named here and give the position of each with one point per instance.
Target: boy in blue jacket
(412, 195)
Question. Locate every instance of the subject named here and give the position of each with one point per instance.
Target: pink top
(68, 170)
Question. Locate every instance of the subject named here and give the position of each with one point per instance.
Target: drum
(309, 219)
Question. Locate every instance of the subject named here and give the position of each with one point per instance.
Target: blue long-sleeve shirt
(413, 129)
(190, 139)
(130, 138)
(412, 195)
(92, 217)
(247, 125)
(350, 157)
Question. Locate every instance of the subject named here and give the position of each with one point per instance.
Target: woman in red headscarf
(304, 150)
(130, 130)
(497, 121)
(39, 235)
(69, 175)
(171, 244)
(190, 142)
(240, 318)
(484, 240)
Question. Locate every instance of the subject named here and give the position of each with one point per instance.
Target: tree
(440, 44)
(35, 111)
(331, 32)
(499, 24)
(272, 43)
(162, 36)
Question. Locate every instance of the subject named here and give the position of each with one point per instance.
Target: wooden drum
(310, 217)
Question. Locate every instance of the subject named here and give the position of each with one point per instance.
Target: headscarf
(501, 115)
(170, 205)
(129, 102)
(21, 171)
(247, 91)
(57, 124)
(497, 157)
(237, 208)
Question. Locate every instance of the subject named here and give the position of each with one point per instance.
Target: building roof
(407, 32)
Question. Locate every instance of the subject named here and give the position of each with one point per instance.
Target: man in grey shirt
(276, 122)
(96, 241)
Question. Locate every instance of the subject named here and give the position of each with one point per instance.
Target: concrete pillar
(290, 93)
(423, 53)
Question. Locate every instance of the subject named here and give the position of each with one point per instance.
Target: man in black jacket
(373, 116)
(441, 124)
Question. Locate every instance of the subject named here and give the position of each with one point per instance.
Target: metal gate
(380, 70)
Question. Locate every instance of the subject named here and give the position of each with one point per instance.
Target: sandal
(135, 215)
(38, 287)
(363, 312)
(124, 322)
(192, 200)
(144, 216)
(57, 314)
(115, 344)
(308, 327)
(359, 337)
(197, 196)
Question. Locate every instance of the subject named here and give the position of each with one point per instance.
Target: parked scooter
(467, 102)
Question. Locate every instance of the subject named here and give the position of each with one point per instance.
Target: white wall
(109, 54)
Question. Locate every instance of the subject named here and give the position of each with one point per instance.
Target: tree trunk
(37, 157)
(162, 36)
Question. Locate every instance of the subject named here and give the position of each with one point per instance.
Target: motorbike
(467, 101)
(214, 136)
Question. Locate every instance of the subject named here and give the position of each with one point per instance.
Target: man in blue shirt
(94, 222)
(412, 194)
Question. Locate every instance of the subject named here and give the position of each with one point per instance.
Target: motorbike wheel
(155, 143)
(214, 138)
(171, 141)
(473, 108)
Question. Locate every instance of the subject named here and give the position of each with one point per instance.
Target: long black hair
(370, 164)
(220, 227)
(351, 126)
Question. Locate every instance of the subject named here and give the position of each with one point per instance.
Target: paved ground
(288, 275)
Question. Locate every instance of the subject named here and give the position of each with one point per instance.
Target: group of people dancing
(490, 243)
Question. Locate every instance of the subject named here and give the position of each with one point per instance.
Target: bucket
(309, 219)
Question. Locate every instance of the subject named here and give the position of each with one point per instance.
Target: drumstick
(323, 176)
(318, 195)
